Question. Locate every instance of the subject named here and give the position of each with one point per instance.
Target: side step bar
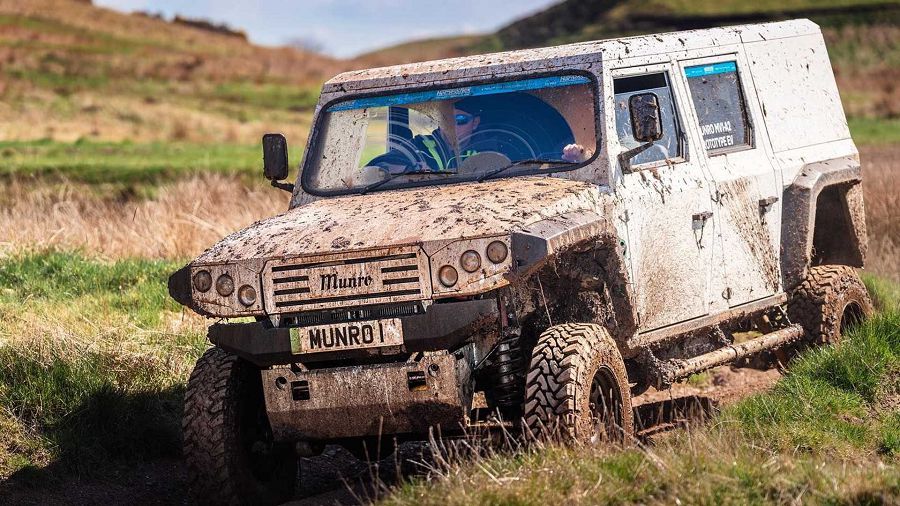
(670, 371)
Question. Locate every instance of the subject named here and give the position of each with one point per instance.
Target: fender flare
(799, 213)
(535, 245)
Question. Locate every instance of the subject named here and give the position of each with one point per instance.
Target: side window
(716, 91)
(669, 146)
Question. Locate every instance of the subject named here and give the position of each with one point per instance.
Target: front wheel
(577, 389)
(228, 447)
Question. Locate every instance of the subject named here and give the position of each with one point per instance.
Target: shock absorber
(507, 366)
(507, 371)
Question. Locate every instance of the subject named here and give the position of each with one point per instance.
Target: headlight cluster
(470, 261)
(203, 282)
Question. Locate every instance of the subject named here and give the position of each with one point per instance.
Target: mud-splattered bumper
(443, 326)
(371, 400)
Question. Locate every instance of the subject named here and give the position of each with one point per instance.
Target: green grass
(827, 402)
(134, 286)
(875, 130)
(125, 163)
(93, 361)
(885, 294)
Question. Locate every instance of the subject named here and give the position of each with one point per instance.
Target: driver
(435, 151)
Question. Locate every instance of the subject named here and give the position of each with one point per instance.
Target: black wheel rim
(606, 407)
(851, 316)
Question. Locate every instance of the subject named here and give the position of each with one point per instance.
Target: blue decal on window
(708, 70)
(454, 93)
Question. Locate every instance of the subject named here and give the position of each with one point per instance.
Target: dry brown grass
(881, 182)
(189, 215)
(184, 218)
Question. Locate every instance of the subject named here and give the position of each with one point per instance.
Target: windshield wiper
(489, 175)
(378, 184)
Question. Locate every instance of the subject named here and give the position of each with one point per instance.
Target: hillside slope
(71, 71)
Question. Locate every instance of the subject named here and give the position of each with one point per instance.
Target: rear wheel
(829, 301)
(228, 446)
(577, 389)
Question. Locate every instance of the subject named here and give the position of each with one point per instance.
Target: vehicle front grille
(346, 279)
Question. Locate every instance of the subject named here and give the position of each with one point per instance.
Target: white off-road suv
(558, 228)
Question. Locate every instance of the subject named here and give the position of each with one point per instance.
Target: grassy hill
(72, 71)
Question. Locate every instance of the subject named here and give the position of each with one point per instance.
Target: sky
(343, 28)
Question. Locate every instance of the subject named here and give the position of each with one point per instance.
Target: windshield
(452, 134)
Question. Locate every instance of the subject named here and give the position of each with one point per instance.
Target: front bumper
(370, 400)
(443, 326)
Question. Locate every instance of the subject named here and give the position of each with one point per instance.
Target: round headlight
(225, 285)
(448, 276)
(202, 281)
(470, 261)
(497, 251)
(247, 295)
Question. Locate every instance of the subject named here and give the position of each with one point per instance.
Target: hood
(403, 217)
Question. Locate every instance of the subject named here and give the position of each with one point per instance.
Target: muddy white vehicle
(557, 228)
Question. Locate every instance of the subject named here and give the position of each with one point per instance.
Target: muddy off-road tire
(831, 299)
(577, 390)
(228, 447)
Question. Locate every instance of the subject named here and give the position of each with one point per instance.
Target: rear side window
(716, 91)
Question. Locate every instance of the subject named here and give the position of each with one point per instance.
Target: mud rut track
(336, 477)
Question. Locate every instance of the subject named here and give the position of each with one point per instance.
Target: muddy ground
(336, 477)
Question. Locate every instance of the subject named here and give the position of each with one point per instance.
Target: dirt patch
(724, 385)
(155, 482)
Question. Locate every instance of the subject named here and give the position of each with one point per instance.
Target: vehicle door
(665, 192)
(747, 185)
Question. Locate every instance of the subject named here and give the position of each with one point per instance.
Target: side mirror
(645, 117)
(275, 157)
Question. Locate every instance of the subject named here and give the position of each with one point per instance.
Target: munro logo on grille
(334, 282)
(346, 280)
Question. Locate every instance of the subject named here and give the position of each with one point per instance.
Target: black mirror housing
(275, 157)
(645, 117)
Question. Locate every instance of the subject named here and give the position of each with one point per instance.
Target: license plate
(347, 336)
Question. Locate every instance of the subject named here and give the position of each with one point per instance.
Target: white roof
(531, 60)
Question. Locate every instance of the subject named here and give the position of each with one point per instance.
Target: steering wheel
(371, 174)
(485, 161)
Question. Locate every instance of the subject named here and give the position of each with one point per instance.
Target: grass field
(95, 357)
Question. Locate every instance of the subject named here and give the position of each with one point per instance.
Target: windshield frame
(316, 135)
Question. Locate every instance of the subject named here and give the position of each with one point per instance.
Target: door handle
(701, 217)
(766, 203)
